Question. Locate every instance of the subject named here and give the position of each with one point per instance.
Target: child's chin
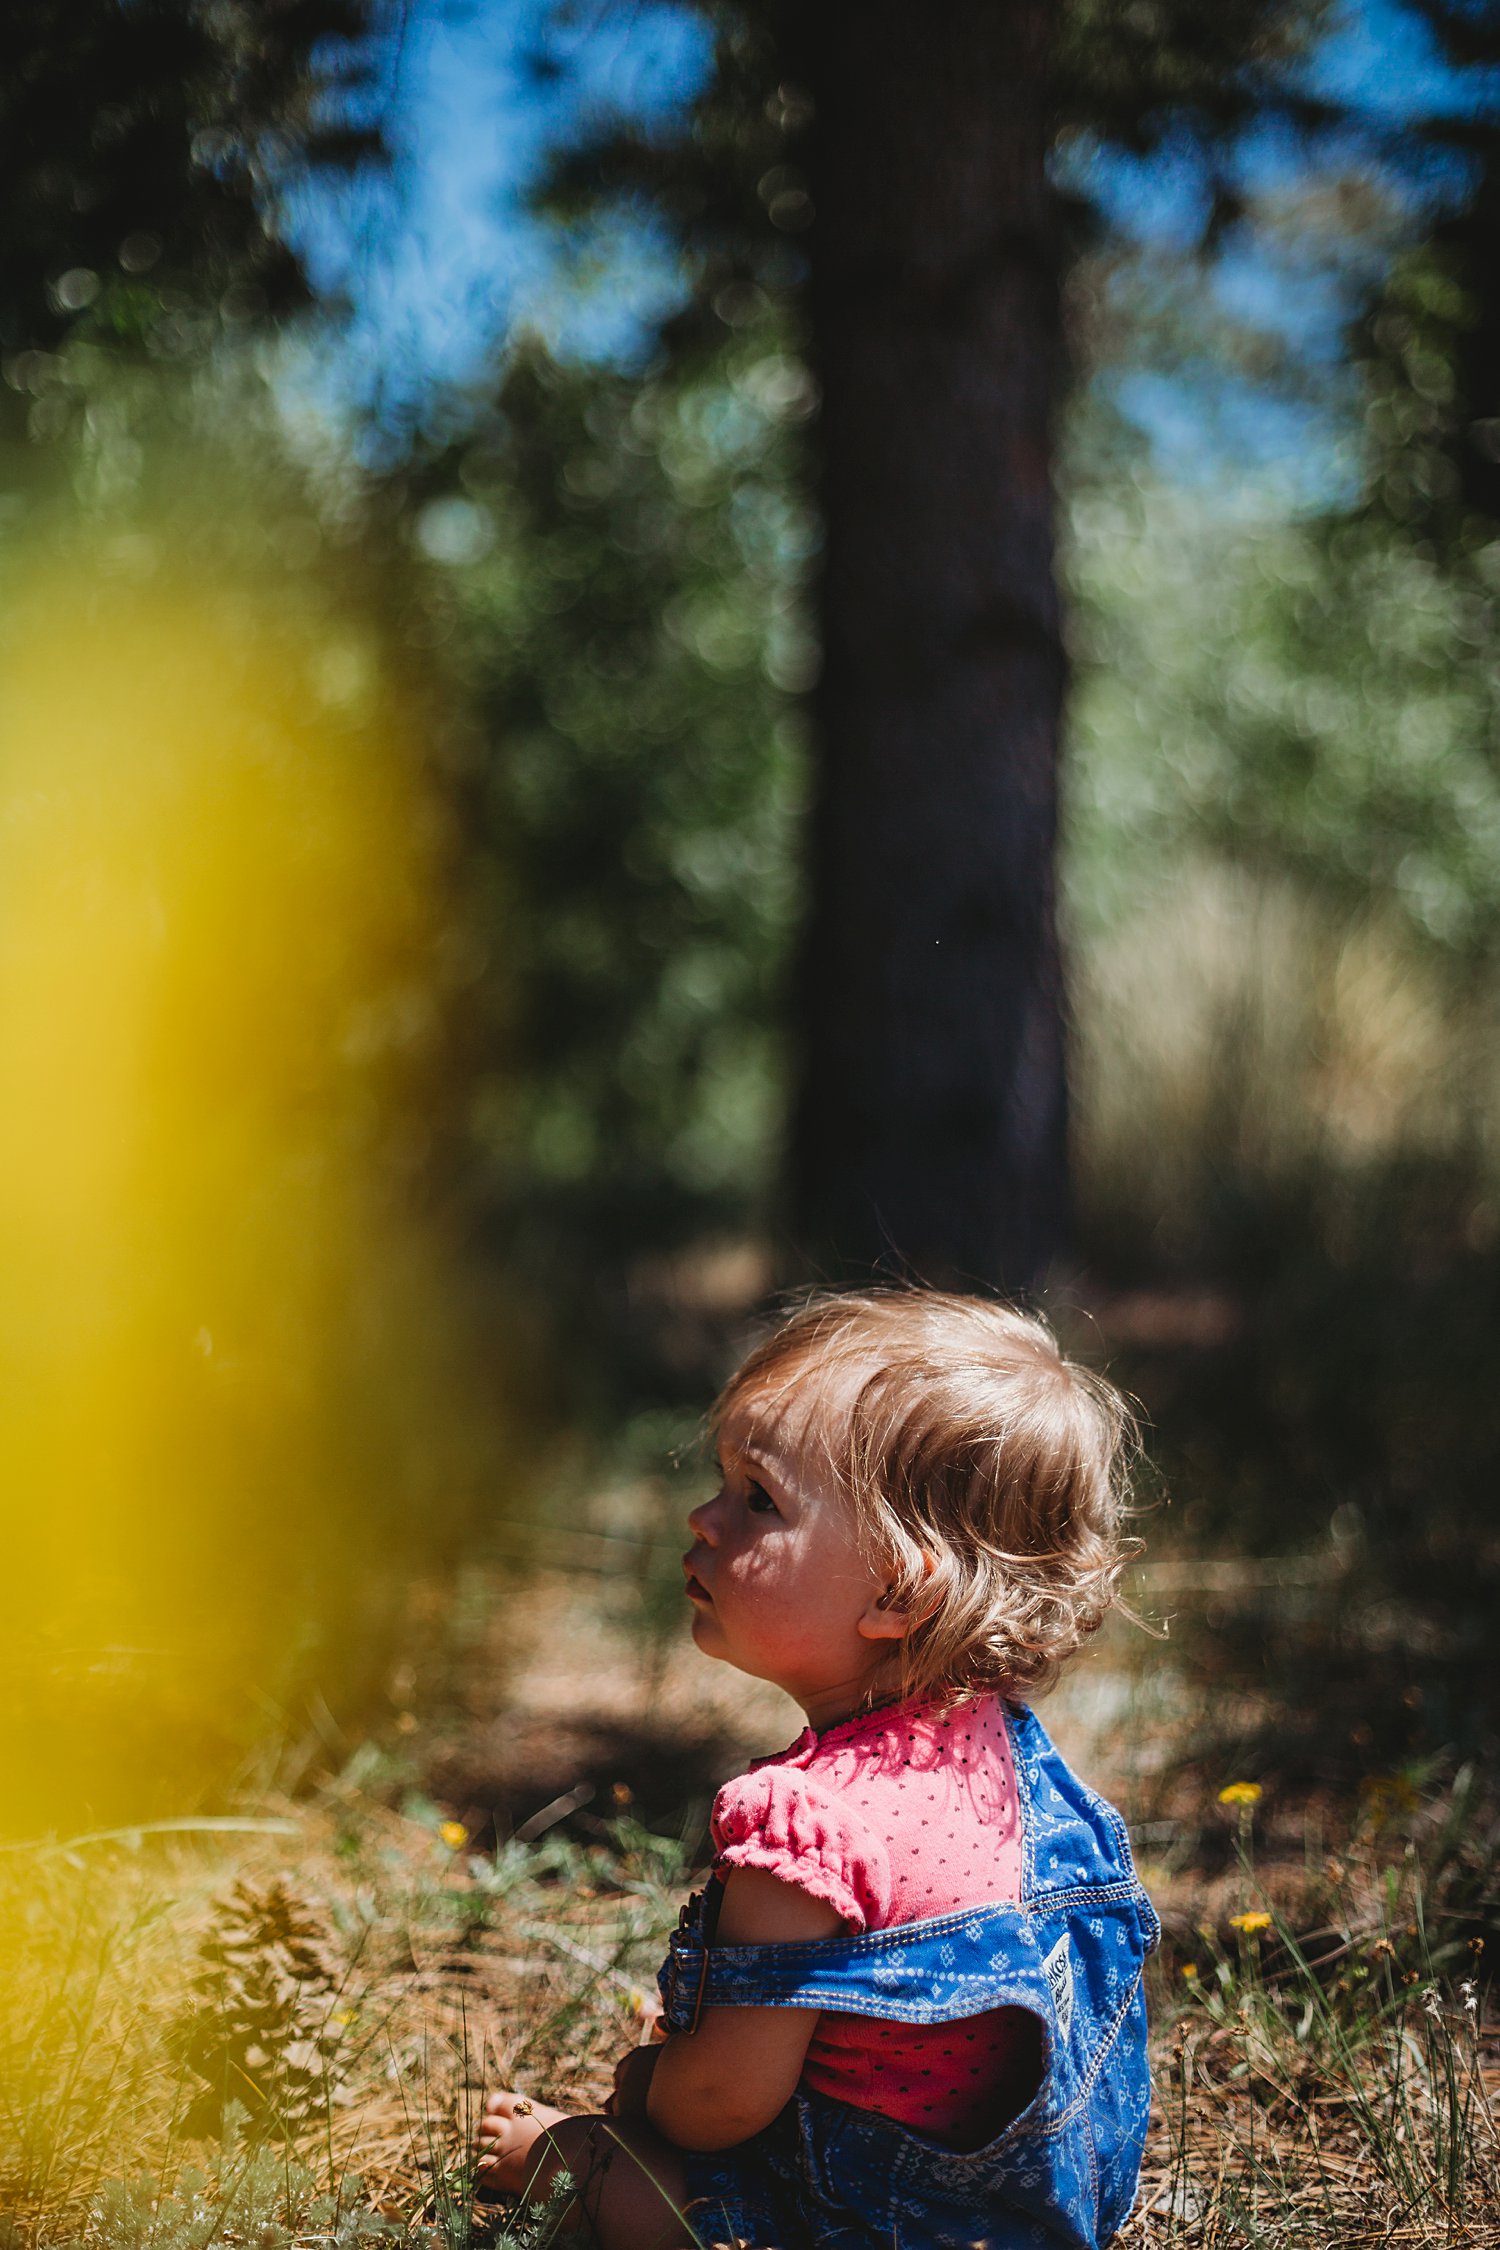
(706, 1634)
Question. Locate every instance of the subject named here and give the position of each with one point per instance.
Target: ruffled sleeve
(784, 1823)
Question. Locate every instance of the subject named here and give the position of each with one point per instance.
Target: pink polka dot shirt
(895, 1816)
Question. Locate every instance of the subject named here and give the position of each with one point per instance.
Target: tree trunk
(930, 1134)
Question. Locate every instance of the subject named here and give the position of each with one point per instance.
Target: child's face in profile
(777, 1580)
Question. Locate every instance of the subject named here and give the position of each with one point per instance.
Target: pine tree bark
(930, 1135)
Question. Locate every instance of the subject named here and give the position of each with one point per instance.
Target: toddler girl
(906, 2009)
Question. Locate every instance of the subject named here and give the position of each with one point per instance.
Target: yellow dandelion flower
(1250, 1923)
(454, 1834)
(1388, 1794)
(1240, 1793)
(1190, 1970)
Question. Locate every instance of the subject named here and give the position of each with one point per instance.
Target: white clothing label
(1058, 1970)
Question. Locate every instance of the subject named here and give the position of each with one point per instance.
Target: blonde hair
(986, 1471)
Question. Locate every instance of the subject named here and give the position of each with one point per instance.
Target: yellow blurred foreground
(235, 1403)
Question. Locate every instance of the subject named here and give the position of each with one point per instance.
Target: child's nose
(700, 1522)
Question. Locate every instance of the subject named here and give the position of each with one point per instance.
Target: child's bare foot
(510, 2125)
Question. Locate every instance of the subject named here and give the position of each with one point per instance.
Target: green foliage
(1428, 343)
(731, 187)
(1312, 701)
(255, 2194)
(1284, 839)
(141, 146)
(631, 633)
(726, 184)
(1134, 74)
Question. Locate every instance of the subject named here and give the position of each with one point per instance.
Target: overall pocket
(846, 2161)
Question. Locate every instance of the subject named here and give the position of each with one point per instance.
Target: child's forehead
(782, 1411)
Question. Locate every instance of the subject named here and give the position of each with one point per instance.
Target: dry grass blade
(1309, 2096)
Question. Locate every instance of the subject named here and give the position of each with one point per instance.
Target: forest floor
(278, 2036)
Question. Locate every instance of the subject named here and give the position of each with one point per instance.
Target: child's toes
(508, 2108)
(508, 2125)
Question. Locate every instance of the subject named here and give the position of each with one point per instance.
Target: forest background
(410, 669)
(441, 1009)
(402, 1107)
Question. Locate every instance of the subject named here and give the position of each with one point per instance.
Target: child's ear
(887, 1620)
(882, 1620)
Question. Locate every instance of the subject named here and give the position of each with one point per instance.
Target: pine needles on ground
(198, 2050)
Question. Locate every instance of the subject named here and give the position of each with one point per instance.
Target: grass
(1325, 2074)
(279, 2038)
(200, 2046)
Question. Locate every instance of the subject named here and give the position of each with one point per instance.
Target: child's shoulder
(905, 1810)
(792, 1824)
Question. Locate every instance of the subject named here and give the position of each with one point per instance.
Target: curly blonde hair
(986, 1471)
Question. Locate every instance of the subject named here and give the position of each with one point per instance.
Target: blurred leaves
(1428, 346)
(626, 560)
(1169, 72)
(142, 148)
(1314, 700)
(402, 864)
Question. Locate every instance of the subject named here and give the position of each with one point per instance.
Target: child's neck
(831, 1708)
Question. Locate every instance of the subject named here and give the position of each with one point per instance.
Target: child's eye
(759, 1501)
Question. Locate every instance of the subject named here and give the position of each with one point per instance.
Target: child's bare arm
(719, 2084)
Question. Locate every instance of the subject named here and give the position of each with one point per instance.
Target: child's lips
(694, 1588)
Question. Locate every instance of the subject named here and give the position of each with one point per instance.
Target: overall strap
(958, 1964)
(1074, 1842)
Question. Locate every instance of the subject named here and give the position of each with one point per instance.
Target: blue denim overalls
(829, 2175)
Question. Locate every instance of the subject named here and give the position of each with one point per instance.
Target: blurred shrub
(136, 152)
(624, 561)
(1284, 881)
(1283, 861)
(1311, 699)
(1238, 1034)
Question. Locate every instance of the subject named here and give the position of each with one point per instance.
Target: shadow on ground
(532, 1774)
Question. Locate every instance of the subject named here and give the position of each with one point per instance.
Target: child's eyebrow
(753, 1453)
(772, 1464)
